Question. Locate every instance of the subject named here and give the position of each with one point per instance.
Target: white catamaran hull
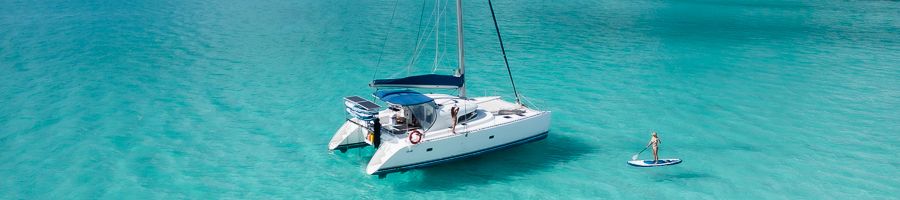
(401, 155)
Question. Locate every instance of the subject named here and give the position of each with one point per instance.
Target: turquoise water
(238, 99)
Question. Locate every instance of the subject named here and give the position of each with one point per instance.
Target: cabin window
(467, 117)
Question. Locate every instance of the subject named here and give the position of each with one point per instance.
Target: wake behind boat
(416, 130)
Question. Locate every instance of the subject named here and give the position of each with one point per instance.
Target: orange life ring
(418, 139)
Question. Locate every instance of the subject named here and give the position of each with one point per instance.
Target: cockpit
(411, 110)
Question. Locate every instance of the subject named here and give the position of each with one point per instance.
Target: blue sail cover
(402, 97)
(434, 81)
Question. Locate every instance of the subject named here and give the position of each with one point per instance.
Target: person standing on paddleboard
(654, 143)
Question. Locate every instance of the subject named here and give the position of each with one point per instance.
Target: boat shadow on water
(505, 165)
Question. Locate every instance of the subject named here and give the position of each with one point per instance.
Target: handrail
(360, 125)
(482, 128)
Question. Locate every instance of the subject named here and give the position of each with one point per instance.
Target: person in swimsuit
(654, 143)
(453, 112)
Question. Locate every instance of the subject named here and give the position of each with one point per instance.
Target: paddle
(639, 153)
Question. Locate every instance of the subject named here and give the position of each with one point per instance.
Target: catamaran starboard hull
(402, 156)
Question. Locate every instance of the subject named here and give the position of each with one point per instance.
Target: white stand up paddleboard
(650, 163)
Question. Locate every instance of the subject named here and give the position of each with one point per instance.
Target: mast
(459, 40)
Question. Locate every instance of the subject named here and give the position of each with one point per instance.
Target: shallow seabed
(238, 99)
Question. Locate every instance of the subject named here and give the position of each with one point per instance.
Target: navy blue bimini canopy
(402, 97)
(435, 81)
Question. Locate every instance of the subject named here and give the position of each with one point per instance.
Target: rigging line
(502, 49)
(418, 33)
(437, 33)
(446, 27)
(421, 43)
(384, 43)
(437, 20)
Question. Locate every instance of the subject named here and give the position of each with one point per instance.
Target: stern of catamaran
(407, 110)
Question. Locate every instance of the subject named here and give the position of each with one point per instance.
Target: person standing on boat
(654, 143)
(453, 112)
(399, 117)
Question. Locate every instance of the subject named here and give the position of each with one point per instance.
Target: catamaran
(416, 130)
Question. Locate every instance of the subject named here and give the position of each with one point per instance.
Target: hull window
(467, 117)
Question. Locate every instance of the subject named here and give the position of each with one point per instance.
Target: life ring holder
(418, 138)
